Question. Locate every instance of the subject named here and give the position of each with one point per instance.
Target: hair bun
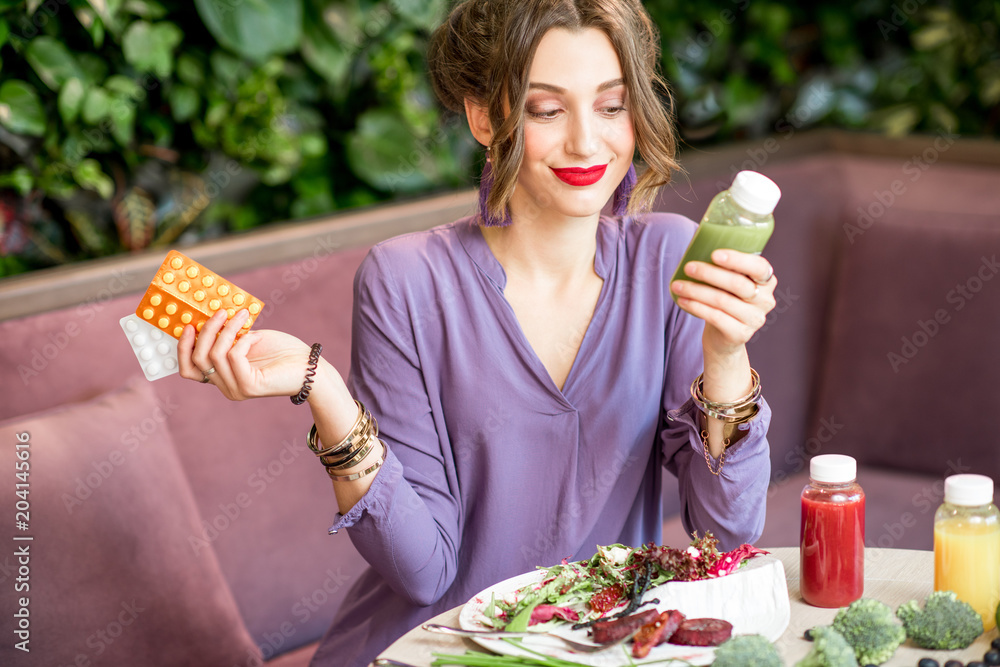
(458, 56)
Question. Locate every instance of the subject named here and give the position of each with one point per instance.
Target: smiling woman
(520, 377)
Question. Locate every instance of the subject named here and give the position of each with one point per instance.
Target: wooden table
(891, 575)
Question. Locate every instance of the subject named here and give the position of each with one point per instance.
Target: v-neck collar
(605, 257)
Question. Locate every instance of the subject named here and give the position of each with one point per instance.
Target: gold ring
(205, 374)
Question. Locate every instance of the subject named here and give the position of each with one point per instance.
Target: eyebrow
(556, 89)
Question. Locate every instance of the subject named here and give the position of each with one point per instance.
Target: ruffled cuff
(377, 498)
(753, 441)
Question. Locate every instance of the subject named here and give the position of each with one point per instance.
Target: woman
(527, 367)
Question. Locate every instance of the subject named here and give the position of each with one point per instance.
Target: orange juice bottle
(967, 544)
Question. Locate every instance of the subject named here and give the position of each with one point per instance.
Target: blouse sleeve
(407, 526)
(731, 504)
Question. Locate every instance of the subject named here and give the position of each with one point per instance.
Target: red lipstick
(580, 176)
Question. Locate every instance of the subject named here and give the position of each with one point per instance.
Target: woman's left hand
(737, 295)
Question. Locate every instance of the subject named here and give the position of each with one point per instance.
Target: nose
(584, 135)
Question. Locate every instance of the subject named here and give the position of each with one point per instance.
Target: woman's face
(576, 118)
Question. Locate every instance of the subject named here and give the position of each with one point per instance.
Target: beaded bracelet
(303, 394)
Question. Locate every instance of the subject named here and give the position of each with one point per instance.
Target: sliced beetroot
(702, 632)
(546, 612)
(604, 632)
(670, 627)
(655, 632)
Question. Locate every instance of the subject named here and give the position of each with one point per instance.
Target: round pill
(139, 340)
(246, 325)
(164, 321)
(177, 333)
(131, 325)
(230, 312)
(192, 272)
(254, 308)
(146, 354)
(164, 348)
(176, 263)
(168, 277)
(199, 295)
(186, 318)
(170, 364)
(148, 314)
(156, 334)
(183, 286)
(171, 308)
(153, 368)
(238, 299)
(208, 281)
(214, 304)
(223, 289)
(156, 299)
(199, 326)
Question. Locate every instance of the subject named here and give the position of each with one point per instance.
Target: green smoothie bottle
(738, 218)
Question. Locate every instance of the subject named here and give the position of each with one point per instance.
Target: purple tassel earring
(624, 191)
(485, 185)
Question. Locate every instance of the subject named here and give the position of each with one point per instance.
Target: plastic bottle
(738, 218)
(832, 546)
(967, 544)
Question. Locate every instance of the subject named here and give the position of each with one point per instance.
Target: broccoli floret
(945, 622)
(747, 651)
(870, 627)
(830, 649)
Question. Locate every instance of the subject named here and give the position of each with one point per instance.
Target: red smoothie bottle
(832, 535)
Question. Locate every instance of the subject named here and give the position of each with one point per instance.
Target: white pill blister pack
(155, 350)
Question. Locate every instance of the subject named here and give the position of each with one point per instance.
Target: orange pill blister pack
(185, 292)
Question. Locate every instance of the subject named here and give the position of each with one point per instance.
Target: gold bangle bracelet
(356, 456)
(364, 473)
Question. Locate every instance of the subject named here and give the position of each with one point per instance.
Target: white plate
(754, 599)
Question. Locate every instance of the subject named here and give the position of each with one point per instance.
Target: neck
(545, 246)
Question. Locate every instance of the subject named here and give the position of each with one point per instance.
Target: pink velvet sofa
(169, 526)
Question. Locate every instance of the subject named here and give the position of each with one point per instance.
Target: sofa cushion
(110, 574)
(910, 373)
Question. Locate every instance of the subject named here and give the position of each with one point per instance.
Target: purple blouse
(491, 469)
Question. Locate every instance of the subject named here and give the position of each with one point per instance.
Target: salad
(587, 591)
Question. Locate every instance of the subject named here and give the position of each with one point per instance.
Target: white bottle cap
(833, 468)
(968, 490)
(755, 192)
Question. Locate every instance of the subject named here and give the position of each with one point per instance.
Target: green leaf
(20, 108)
(94, 68)
(255, 30)
(52, 62)
(4, 31)
(20, 179)
(426, 14)
(147, 9)
(376, 152)
(124, 87)
(123, 123)
(88, 175)
(190, 70)
(70, 100)
(149, 47)
(184, 102)
(96, 106)
(325, 54)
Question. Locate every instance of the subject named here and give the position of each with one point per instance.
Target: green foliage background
(127, 124)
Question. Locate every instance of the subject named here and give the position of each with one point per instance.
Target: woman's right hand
(261, 363)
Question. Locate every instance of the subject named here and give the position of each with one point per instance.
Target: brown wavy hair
(483, 52)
